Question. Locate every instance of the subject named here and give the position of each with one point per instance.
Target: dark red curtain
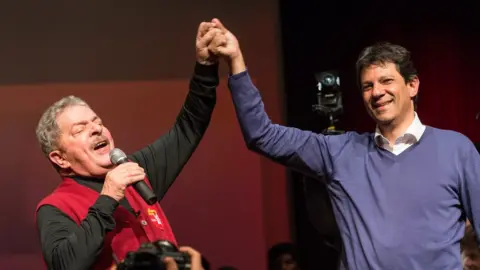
(446, 56)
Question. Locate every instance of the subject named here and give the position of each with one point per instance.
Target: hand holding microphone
(125, 174)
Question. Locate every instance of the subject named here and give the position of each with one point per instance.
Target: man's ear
(58, 158)
(413, 85)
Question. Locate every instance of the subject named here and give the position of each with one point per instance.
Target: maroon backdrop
(138, 57)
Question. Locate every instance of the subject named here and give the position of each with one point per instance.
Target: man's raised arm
(164, 159)
(301, 150)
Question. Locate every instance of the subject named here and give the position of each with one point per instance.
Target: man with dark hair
(400, 194)
(388, 53)
(470, 249)
(283, 256)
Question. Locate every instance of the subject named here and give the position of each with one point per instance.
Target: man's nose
(378, 90)
(96, 129)
(468, 262)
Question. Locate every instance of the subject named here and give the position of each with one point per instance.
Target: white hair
(47, 130)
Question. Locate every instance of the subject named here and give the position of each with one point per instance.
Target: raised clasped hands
(215, 41)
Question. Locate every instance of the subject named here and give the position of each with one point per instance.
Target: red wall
(228, 203)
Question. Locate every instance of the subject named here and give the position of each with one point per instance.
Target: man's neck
(73, 175)
(397, 127)
(88, 178)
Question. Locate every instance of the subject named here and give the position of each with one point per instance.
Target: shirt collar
(415, 130)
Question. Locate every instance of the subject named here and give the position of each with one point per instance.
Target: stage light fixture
(329, 97)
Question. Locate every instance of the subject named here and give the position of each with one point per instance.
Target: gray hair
(47, 130)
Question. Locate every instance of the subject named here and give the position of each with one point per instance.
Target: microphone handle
(145, 192)
(141, 187)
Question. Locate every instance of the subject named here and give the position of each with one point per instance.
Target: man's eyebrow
(83, 122)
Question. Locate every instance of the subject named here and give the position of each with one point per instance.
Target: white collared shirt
(411, 136)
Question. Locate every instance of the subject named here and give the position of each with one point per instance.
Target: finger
(195, 256)
(129, 166)
(134, 179)
(207, 38)
(135, 174)
(219, 40)
(219, 25)
(170, 263)
(123, 169)
(132, 172)
(220, 51)
(203, 29)
(213, 49)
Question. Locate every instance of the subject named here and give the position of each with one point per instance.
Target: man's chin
(382, 119)
(103, 161)
(109, 166)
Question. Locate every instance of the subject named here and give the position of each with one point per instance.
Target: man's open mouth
(101, 144)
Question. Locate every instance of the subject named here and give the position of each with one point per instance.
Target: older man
(94, 217)
(400, 194)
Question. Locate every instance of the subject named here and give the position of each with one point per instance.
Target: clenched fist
(206, 33)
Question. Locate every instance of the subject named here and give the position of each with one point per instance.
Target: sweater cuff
(206, 70)
(238, 75)
(106, 205)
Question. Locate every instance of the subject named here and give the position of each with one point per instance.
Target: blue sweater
(403, 211)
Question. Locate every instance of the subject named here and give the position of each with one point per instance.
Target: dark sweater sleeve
(66, 245)
(164, 159)
(310, 153)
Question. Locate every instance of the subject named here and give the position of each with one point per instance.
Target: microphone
(118, 157)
